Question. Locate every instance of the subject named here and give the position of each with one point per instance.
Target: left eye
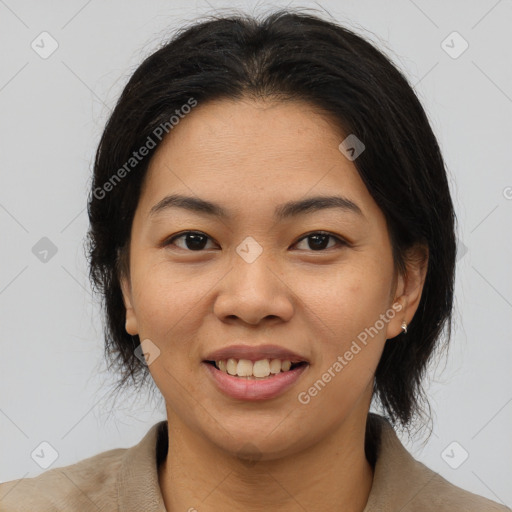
(196, 241)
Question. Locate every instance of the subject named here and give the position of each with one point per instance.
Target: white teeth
(285, 366)
(275, 366)
(231, 366)
(260, 369)
(244, 368)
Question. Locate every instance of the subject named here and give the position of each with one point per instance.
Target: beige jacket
(126, 480)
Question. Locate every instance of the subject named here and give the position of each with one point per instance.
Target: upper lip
(255, 353)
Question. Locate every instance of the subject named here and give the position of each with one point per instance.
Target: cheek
(348, 350)
(351, 333)
(168, 308)
(350, 301)
(168, 305)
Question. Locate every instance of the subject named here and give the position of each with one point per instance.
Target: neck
(199, 476)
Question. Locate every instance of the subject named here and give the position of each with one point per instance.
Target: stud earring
(404, 327)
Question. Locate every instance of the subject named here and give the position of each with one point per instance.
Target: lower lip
(254, 389)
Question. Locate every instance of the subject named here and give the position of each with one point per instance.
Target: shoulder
(403, 483)
(119, 479)
(87, 485)
(433, 492)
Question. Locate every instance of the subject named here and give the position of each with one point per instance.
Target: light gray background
(52, 380)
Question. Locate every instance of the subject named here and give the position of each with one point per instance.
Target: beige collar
(400, 482)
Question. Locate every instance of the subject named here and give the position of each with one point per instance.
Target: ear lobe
(131, 319)
(411, 287)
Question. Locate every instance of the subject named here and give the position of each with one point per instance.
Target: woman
(273, 235)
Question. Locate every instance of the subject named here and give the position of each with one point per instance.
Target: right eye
(193, 240)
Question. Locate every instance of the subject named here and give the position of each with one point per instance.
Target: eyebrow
(283, 211)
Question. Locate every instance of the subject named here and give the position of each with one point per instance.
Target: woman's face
(275, 278)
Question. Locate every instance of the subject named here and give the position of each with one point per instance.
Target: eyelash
(339, 240)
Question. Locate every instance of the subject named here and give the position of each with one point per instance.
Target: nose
(253, 292)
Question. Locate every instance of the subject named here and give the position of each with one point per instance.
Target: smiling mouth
(261, 369)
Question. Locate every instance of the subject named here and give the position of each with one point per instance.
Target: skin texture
(250, 156)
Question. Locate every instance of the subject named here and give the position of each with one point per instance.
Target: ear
(131, 320)
(408, 289)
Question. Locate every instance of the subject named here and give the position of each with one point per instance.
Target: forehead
(252, 131)
(255, 152)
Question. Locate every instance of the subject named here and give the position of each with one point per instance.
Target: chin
(257, 443)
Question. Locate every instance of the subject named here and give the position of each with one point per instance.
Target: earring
(404, 327)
